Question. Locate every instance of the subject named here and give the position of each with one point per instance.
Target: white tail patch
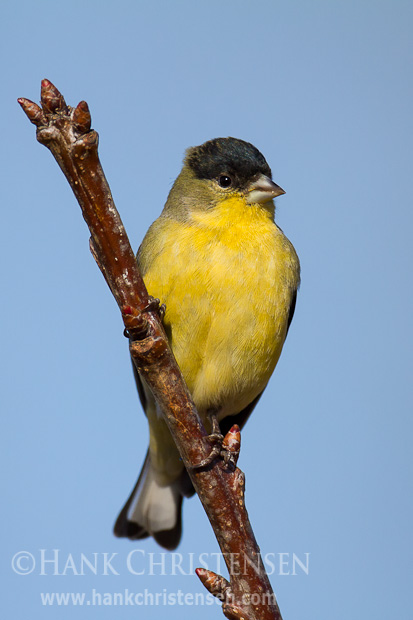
(154, 507)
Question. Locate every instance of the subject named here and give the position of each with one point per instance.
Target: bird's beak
(263, 190)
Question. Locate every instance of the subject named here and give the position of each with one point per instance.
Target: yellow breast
(227, 277)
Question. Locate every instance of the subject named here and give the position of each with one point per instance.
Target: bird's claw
(154, 305)
(215, 452)
(227, 448)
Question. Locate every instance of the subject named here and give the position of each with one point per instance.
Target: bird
(228, 277)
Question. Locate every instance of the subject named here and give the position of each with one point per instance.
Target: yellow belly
(227, 278)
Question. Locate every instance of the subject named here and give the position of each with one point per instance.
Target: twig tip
(215, 584)
(81, 117)
(232, 441)
(33, 112)
(52, 98)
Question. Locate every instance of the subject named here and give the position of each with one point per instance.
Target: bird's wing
(291, 312)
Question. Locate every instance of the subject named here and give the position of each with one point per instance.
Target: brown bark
(220, 485)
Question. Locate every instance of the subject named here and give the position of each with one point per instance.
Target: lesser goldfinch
(228, 277)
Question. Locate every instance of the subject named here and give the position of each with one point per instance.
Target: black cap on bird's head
(235, 165)
(228, 155)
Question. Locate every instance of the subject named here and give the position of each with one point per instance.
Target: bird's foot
(227, 448)
(154, 305)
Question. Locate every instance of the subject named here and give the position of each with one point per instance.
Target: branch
(66, 132)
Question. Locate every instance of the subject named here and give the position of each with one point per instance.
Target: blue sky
(324, 90)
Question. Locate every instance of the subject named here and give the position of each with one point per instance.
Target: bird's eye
(225, 181)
